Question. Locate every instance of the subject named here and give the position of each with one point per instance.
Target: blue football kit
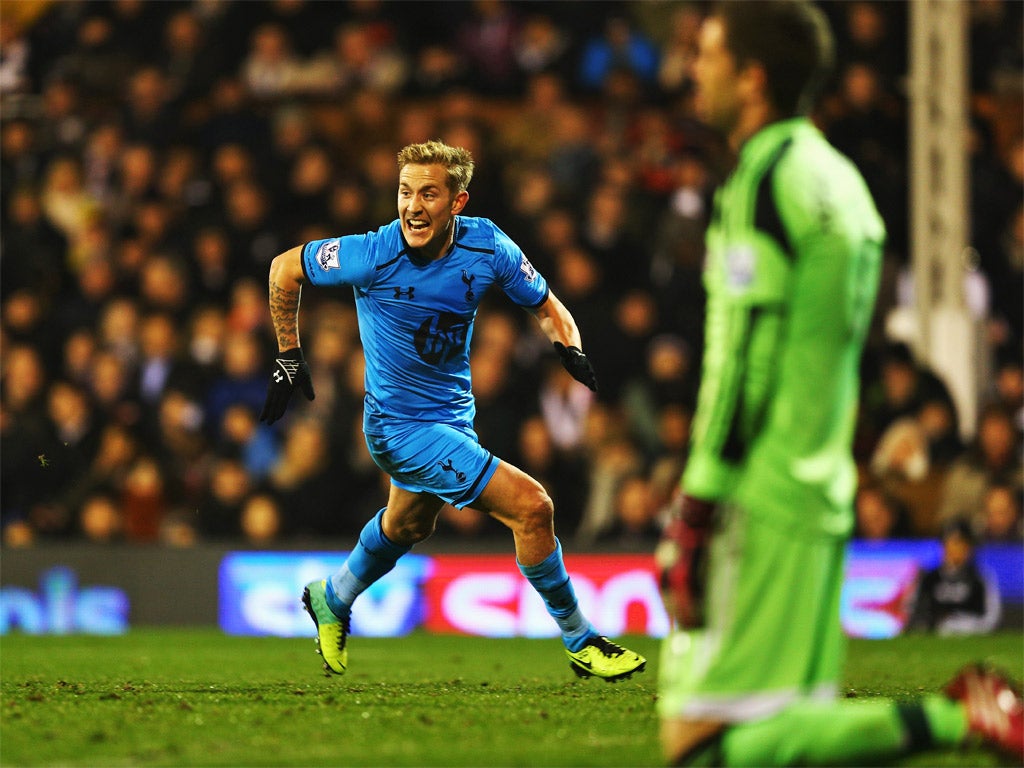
(416, 324)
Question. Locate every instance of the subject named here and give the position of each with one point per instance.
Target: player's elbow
(286, 268)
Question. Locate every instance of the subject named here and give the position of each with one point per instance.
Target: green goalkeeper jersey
(793, 260)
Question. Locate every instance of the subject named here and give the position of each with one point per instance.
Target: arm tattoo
(284, 312)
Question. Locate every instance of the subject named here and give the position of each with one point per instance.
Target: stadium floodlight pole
(947, 335)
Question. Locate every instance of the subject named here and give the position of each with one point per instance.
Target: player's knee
(537, 511)
(408, 531)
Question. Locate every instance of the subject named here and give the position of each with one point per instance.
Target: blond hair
(458, 162)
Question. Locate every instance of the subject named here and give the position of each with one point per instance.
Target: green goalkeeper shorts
(773, 635)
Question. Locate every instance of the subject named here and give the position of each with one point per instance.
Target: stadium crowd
(157, 156)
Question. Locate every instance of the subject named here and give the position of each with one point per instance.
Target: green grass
(188, 697)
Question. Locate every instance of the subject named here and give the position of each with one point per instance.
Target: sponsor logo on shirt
(740, 263)
(327, 255)
(527, 269)
(441, 338)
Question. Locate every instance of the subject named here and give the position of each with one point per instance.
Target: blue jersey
(416, 316)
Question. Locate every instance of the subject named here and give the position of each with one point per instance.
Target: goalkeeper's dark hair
(791, 39)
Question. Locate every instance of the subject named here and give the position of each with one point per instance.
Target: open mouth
(416, 225)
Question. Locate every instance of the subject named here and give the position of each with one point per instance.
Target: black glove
(290, 371)
(577, 364)
(681, 559)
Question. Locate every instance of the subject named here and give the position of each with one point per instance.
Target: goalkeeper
(752, 561)
(418, 282)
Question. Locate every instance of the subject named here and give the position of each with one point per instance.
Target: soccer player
(752, 561)
(418, 282)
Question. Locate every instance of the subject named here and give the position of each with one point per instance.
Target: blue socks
(372, 557)
(551, 581)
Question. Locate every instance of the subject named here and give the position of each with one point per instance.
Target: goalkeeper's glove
(577, 364)
(681, 559)
(290, 371)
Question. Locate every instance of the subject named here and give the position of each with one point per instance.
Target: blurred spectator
(184, 453)
(100, 519)
(79, 349)
(487, 41)
(149, 114)
(230, 120)
(541, 46)
(159, 361)
(255, 236)
(904, 385)
(272, 69)
(35, 251)
(303, 482)
(211, 265)
(21, 159)
(361, 57)
(604, 233)
(102, 160)
(993, 458)
(25, 321)
(143, 501)
(118, 327)
(497, 417)
(635, 323)
(68, 205)
(63, 128)
(261, 521)
(619, 47)
(531, 136)
(220, 513)
(309, 190)
(562, 473)
(665, 379)
(111, 391)
(572, 159)
(252, 442)
(1003, 524)
(1008, 389)
(878, 516)
(871, 131)
(680, 49)
(243, 380)
(189, 58)
(870, 33)
(164, 286)
(636, 523)
(613, 458)
(14, 74)
(564, 405)
(957, 597)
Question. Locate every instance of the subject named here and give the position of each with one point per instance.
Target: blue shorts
(442, 459)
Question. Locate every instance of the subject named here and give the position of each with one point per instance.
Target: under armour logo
(460, 476)
(288, 367)
(468, 280)
(399, 293)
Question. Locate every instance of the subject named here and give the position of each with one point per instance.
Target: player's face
(716, 78)
(427, 207)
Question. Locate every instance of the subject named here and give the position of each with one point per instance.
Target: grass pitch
(198, 697)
